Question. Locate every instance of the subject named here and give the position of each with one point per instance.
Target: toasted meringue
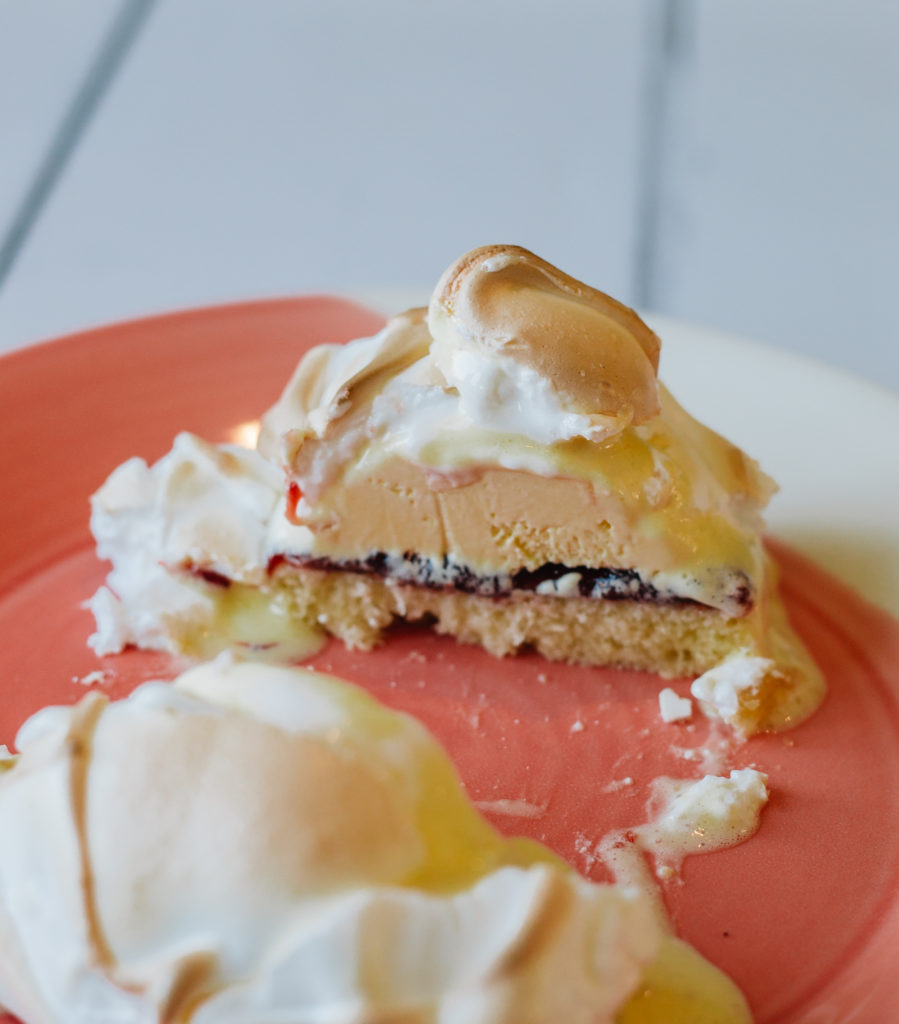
(258, 843)
(508, 306)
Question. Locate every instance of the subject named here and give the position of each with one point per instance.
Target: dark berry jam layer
(608, 584)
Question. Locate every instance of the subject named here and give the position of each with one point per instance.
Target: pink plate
(804, 917)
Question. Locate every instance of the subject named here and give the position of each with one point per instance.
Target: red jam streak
(294, 494)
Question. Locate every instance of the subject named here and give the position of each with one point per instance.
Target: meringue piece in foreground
(265, 844)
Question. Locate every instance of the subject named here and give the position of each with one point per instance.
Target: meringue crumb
(703, 815)
(564, 586)
(586, 848)
(687, 753)
(96, 678)
(733, 690)
(617, 784)
(577, 726)
(674, 708)
(512, 808)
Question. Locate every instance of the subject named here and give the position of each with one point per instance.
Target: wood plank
(293, 146)
(779, 211)
(47, 48)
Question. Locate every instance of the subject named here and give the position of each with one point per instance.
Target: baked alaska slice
(504, 465)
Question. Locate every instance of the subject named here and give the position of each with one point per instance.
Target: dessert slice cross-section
(504, 465)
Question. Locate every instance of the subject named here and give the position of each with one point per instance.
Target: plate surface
(805, 916)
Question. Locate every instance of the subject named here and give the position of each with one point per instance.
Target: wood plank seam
(668, 41)
(111, 53)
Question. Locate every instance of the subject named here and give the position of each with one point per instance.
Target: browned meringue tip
(598, 353)
(322, 386)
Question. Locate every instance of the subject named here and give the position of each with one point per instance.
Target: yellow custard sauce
(254, 623)
(679, 987)
(682, 987)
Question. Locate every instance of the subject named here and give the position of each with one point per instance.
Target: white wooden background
(732, 163)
